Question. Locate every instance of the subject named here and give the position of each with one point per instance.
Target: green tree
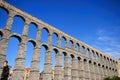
(112, 78)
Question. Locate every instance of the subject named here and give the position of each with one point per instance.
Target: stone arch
(18, 24)
(29, 52)
(90, 62)
(44, 35)
(99, 64)
(88, 52)
(4, 16)
(4, 9)
(77, 46)
(1, 35)
(63, 41)
(103, 66)
(83, 49)
(97, 56)
(46, 46)
(32, 30)
(12, 50)
(54, 53)
(71, 58)
(54, 39)
(93, 54)
(79, 59)
(113, 69)
(94, 63)
(18, 37)
(64, 54)
(107, 58)
(43, 51)
(70, 43)
(104, 57)
(107, 67)
(33, 42)
(85, 60)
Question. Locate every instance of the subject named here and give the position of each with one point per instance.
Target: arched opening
(83, 50)
(71, 58)
(77, 47)
(63, 42)
(29, 52)
(18, 24)
(44, 35)
(1, 34)
(85, 60)
(70, 44)
(93, 55)
(54, 39)
(32, 31)
(97, 56)
(12, 54)
(79, 58)
(90, 61)
(44, 48)
(88, 53)
(54, 52)
(95, 63)
(3, 17)
(63, 58)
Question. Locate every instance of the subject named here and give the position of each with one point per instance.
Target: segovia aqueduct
(87, 63)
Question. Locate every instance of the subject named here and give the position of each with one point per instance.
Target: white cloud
(108, 44)
(104, 38)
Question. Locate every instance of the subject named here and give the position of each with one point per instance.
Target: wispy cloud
(107, 43)
(104, 38)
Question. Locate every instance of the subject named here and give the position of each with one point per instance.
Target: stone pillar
(81, 70)
(94, 72)
(19, 63)
(59, 41)
(73, 47)
(67, 68)
(95, 56)
(80, 49)
(67, 43)
(3, 48)
(89, 71)
(102, 70)
(74, 71)
(38, 37)
(26, 27)
(86, 72)
(85, 51)
(98, 72)
(49, 39)
(10, 20)
(90, 54)
(47, 74)
(58, 67)
(34, 71)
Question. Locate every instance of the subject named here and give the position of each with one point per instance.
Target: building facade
(87, 63)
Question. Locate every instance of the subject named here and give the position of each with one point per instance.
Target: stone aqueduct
(94, 67)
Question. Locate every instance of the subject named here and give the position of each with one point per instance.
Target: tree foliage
(112, 78)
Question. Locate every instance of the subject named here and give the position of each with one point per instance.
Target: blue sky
(95, 22)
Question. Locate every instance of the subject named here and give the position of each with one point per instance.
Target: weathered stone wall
(119, 68)
(94, 66)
